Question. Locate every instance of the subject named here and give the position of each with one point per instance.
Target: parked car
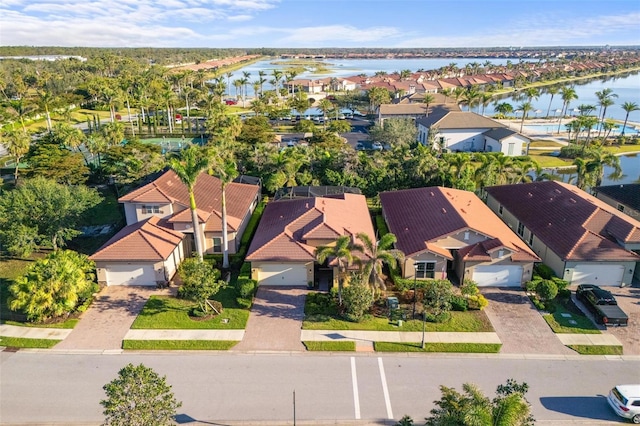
(625, 401)
(230, 102)
(602, 304)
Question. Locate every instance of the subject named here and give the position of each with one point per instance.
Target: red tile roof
(208, 192)
(421, 216)
(572, 223)
(142, 241)
(287, 225)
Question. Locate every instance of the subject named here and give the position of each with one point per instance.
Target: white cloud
(338, 34)
(239, 18)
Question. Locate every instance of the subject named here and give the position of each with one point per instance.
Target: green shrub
(477, 302)
(381, 226)
(319, 304)
(246, 287)
(530, 286)
(357, 299)
(459, 303)
(246, 269)
(469, 288)
(437, 300)
(547, 289)
(544, 271)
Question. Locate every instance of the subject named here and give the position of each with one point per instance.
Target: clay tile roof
(141, 241)
(572, 223)
(628, 194)
(287, 224)
(208, 193)
(185, 216)
(424, 215)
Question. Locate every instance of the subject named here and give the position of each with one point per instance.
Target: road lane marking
(385, 389)
(354, 381)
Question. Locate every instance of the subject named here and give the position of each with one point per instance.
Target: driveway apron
(106, 322)
(519, 325)
(275, 320)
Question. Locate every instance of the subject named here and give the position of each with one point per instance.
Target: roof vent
(529, 195)
(306, 205)
(557, 191)
(432, 194)
(444, 210)
(462, 210)
(572, 200)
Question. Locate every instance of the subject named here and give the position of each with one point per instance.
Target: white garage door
(134, 274)
(497, 276)
(282, 274)
(585, 273)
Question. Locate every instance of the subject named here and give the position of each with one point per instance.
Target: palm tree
(629, 107)
(525, 107)
(604, 101)
(504, 108)
(427, 100)
(342, 251)
(379, 253)
(568, 94)
(188, 167)
(552, 90)
(485, 98)
(17, 143)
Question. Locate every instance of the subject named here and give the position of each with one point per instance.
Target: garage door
(586, 273)
(282, 274)
(131, 275)
(497, 276)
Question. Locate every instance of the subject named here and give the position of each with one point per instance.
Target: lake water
(626, 87)
(630, 165)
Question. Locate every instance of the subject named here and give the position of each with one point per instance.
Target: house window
(620, 208)
(217, 244)
(511, 149)
(531, 239)
(520, 229)
(425, 269)
(466, 235)
(500, 209)
(151, 210)
(500, 253)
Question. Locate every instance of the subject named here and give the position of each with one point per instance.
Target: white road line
(385, 389)
(354, 381)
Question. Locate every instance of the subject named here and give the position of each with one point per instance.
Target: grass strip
(342, 346)
(438, 347)
(184, 345)
(21, 342)
(597, 349)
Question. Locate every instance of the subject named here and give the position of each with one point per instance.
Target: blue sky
(319, 23)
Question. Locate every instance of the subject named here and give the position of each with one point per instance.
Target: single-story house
(167, 198)
(470, 132)
(283, 248)
(143, 253)
(625, 198)
(583, 240)
(450, 233)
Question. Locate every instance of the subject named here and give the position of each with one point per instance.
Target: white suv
(625, 401)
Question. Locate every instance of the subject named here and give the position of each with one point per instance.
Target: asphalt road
(221, 388)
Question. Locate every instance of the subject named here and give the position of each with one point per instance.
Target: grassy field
(470, 321)
(596, 349)
(181, 345)
(342, 346)
(560, 324)
(438, 347)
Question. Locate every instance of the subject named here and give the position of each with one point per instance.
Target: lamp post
(424, 320)
(415, 284)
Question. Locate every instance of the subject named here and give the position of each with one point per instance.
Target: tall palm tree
(379, 253)
(343, 252)
(427, 100)
(17, 143)
(568, 94)
(187, 167)
(551, 90)
(525, 107)
(604, 101)
(629, 107)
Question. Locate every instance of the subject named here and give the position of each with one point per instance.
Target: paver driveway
(275, 320)
(519, 325)
(106, 322)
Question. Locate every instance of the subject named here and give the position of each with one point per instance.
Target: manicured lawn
(438, 347)
(470, 321)
(184, 345)
(560, 324)
(21, 342)
(596, 349)
(170, 313)
(545, 160)
(342, 346)
(545, 144)
(10, 269)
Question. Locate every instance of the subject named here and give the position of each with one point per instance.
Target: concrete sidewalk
(398, 336)
(589, 339)
(233, 335)
(33, 332)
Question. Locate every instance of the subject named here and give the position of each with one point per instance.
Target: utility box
(392, 303)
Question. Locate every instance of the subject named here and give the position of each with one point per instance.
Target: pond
(629, 163)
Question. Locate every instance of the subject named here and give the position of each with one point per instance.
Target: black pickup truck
(602, 304)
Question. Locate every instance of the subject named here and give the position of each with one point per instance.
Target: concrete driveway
(519, 325)
(275, 320)
(104, 325)
(628, 299)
